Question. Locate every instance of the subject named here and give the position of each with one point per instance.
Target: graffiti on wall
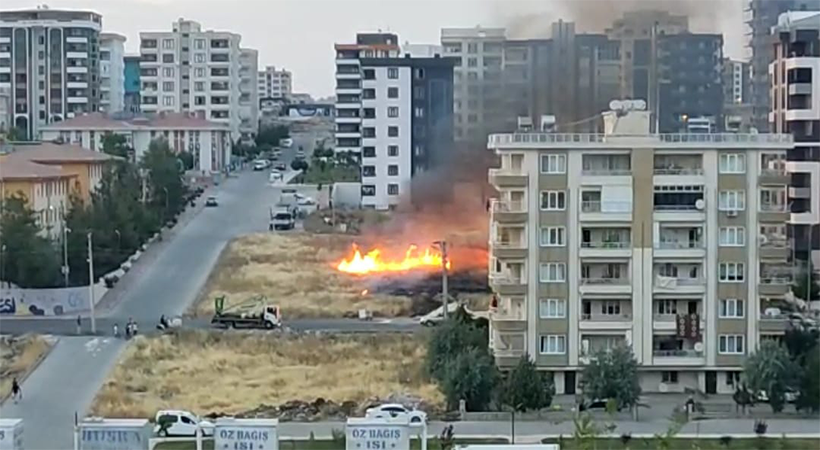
(47, 302)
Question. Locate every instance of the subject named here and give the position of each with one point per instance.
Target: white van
(182, 423)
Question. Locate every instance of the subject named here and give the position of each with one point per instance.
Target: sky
(299, 34)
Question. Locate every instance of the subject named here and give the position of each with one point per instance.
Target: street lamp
(66, 270)
(119, 241)
(91, 283)
(443, 246)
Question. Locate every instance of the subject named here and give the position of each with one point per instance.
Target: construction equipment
(252, 313)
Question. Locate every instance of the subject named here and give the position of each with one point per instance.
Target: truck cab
(282, 218)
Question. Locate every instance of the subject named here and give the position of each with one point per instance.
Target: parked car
(286, 143)
(281, 166)
(181, 423)
(211, 201)
(260, 164)
(396, 410)
(789, 396)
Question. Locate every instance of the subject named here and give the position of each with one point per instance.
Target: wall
(47, 302)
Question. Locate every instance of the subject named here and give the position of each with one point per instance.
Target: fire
(372, 261)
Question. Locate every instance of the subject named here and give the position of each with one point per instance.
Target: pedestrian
(16, 392)
(79, 324)
(116, 330)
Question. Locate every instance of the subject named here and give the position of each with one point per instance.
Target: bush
(525, 388)
(470, 376)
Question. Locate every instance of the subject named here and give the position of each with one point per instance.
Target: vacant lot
(232, 372)
(296, 272)
(17, 356)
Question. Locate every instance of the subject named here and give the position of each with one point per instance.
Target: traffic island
(259, 374)
(19, 356)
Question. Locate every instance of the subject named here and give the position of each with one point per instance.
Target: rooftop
(534, 141)
(101, 121)
(54, 153)
(12, 168)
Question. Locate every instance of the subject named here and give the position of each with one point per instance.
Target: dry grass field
(296, 272)
(233, 372)
(17, 356)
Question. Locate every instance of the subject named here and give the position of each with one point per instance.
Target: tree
(809, 398)
(800, 342)
(470, 376)
(612, 374)
(801, 284)
(116, 145)
(167, 190)
(187, 160)
(271, 135)
(299, 164)
(27, 258)
(449, 339)
(771, 370)
(526, 388)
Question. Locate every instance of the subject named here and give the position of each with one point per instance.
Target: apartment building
(112, 72)
(479, 97)
(6, 113)
(275, 83)
(673, 244)
(50, 59)
(131, 89)
(795, 93)
(736, 81)
(191, 69)
(248, 94)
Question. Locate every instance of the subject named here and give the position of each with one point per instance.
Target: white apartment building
(5, 109)
(191, 69)
(112, 72)
(208, 141)
(248, 93)
(672, 244)
(275, 83)
(50, 60)
(795, 109)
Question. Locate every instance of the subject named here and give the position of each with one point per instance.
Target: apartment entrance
(569, 383)
(711, 382)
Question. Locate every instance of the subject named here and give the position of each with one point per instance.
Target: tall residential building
(131, 89)
(50, 59)
(5, 110)
(191, 69)
(248, 93)
(479, 98)
(672, 244)
(736, 81)
(763, 16)
(112, 72)
(795, 91)
(275, 83)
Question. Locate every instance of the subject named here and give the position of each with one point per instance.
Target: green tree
(809, 398)
(470, 376)
(299, 164)
(116, 145)
(800, 342)
(271, 135)
(29, 259)
(166, 188)
(187, 160)
(525, 388)
(770, 369)
(801, 284)
(452, 337)
(612, 374)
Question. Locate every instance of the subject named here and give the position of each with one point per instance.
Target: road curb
(5, 395)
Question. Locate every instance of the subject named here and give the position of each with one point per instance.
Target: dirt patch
(235, 372)
(296, 272)
(18, 355)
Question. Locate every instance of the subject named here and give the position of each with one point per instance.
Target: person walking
(79, 325)
(16, 392)
(116, 330)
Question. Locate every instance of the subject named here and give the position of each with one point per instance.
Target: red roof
(101, 121)
(12, 168)
(54, 153)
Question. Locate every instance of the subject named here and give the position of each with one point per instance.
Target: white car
(182, 423)
(260, 164)
(393, 410)
(286, 143)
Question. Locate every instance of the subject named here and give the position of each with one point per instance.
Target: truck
(253, 313)
(282, 217)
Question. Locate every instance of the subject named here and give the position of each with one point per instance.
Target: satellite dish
(698, 346)
(700, 204)
(616, 105)
(639, 105)
(663, 388)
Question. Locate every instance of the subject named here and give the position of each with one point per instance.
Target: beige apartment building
(673, 244)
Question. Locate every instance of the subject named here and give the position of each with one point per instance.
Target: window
(368, 171)
(392, 189)
(199, 86)
(731, 308)
(553, 344)
(368, 190)
(732, 378)
(667, 307)
(369, 132)
(419, 73)
(732, 200)
(730, 344)
(392, 92)
(392, 150)
(199, 44)
(552, 308)
(472, 47)
(199, 58)
(199, 72)
(731, 272)
(732, 163)
(168, 101)
(553, 200)
(369, 152)
(392, 111)
(732, 236)
(369, 94)
(167, 43)
(369, 74)
(472, 62)
(553, 236)
(167, 86)
(168, 58)
(552, 272)
(551, 163)
(418, 112)
(392, 131)
(167, 71)
(773, 199)
(392, 170)
(393, 73)
(669, 377)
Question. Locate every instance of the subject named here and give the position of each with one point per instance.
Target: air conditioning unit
(731, 213)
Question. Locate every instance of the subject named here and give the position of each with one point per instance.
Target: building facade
(275, 83)
(131, 89)
(6, 109)
(208, 141)
(112, 72)
(191, 70)
(795, 93)
(736, 81)
(50, 59)
(248, 94)
(672, 244)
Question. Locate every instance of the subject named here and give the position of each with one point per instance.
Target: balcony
(508, 284)
(509, 315)
(679, 284)
(682, 357)
(775, 314)
(593, 209)
(507, 347)
(669, 322)
(605, 278)
(592, 344)
(504, 178)
(680, 242)
(677, 166)
(775, 279)
(508, 211)
(606, 314)
(606, 166)
(509, 242)
(606, 242)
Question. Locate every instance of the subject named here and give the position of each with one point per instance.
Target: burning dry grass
(18, 356)
(233, 372)
(296, 272)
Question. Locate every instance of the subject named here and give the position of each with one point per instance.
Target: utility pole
(66, 230)
(444, 295)
(91, 284)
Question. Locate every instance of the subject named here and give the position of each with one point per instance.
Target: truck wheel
(268, 325)
(232, 325)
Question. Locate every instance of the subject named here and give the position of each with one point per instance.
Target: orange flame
(372, 261)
